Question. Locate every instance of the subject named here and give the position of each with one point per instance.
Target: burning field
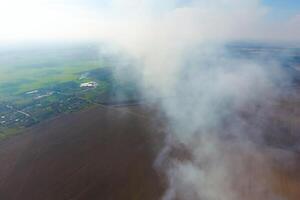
(218, 120)
(113, 153)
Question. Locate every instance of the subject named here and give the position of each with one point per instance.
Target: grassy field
(56, 75)
(24, 71)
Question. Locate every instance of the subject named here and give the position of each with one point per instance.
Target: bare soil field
(108, 153)
(95, 154)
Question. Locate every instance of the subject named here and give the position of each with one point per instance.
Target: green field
(25, 71)
(55, 75)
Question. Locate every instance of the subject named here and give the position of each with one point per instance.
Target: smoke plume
(214, 101)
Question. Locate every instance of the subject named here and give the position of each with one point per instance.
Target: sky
(38, 20)
(283, 8)
(288, 5)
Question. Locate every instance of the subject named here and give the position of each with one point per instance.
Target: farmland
(40, 84)
(76, 130)
(107, 152)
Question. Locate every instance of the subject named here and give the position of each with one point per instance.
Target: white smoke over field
(210, 93)
(181, 55)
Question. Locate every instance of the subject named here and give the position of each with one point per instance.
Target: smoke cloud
(214, 101)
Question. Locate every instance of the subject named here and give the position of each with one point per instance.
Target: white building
(91, 84)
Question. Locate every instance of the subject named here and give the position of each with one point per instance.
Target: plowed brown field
(107, 153)
(95, 154)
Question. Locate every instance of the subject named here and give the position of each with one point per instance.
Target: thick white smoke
(181, 54)
(209, 93)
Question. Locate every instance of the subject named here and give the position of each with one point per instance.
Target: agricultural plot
(38, 85)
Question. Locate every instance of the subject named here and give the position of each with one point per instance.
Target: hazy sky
(34, 20)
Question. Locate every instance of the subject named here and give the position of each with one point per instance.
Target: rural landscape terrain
(150, 100)
(71, 128)
(41, 83)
